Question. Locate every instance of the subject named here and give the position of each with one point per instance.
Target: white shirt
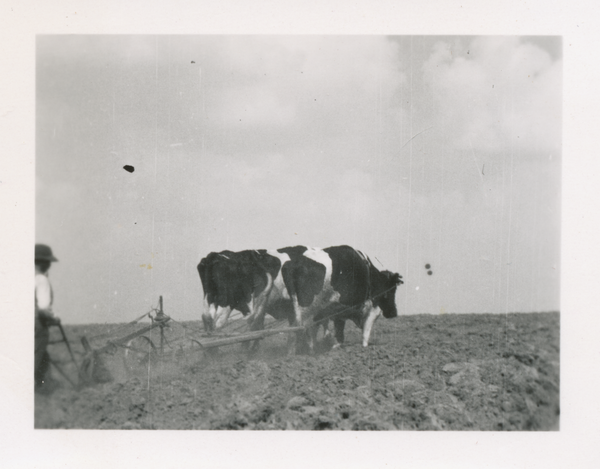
(43, 293)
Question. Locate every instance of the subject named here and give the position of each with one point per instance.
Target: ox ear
(397, 279)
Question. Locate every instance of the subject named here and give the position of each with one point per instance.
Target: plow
(140, 347)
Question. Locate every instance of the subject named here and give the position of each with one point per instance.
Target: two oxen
(306, 286)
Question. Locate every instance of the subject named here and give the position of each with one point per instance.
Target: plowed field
(425, 372)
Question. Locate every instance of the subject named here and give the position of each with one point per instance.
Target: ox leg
(325, 325)
(257, 324)
(297, 341)
(222, 316)
(208, 322)
(292, 338)
(295, 337)
(311, 337)
(256, 319)
(339, 325)
(257, 306)
(251, 321)
(328, 339)
(373, 314)
(208, 317)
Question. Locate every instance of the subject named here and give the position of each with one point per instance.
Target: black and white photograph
(272, 234)
(255, 232)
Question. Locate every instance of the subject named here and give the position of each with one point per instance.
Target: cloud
(303, 82)
(497, 93)
(255, 106)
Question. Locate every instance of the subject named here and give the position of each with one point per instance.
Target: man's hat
(44, 253)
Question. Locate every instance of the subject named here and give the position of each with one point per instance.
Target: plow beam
(247, 337)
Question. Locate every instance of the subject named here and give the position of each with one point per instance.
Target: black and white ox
(336, 284)
(248, 281)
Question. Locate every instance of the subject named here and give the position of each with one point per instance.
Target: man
(43, 317)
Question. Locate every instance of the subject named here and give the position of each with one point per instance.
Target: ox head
(386, 299)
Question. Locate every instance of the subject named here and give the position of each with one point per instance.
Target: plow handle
(64, 336)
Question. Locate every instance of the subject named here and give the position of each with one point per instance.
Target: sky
(439, 150)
